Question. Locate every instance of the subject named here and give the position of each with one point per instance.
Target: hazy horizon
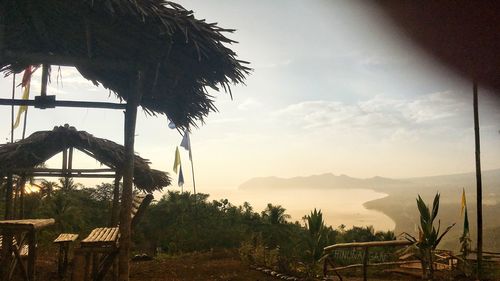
(339, 91)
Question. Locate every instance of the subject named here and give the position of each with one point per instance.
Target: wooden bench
(17, 234)
(98, 251)
(64, 240)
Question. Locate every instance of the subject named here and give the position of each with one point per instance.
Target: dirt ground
(217, 265)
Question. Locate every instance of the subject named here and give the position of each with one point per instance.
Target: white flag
(186, 143)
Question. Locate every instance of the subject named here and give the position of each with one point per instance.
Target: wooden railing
(364, 247)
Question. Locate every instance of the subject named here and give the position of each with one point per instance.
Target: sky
(335, 88)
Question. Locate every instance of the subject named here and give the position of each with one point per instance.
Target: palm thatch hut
(23, 157)
(151, 53)
(109, 40)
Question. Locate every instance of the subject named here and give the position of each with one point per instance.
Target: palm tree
(275, 214)
(47, 188)
(67, 184)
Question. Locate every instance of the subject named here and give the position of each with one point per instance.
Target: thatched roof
(41, 146)
(180, 55)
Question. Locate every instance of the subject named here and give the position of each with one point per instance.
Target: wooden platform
(66, 237)
(99, 237)
(26, 225)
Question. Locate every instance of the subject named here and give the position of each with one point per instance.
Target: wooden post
(365, 264)
(479, 187)
(32, 254)
(8, 198)
(45, 78)
(115, 209)
(15, 201)
(12, 108)
(128, 174)
(21, 207)
(65, 160)
(70, 158)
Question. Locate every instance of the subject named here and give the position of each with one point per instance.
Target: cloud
(226, 120)
(397, 118)
(276, 64)
(248, 103)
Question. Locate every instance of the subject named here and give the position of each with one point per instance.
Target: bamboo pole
(393, 243)
(24, 122)
(30, 171)
(115, 209)
(479, 187)
(45, 78)
(381, 264)
(12, 109)
(8, 198)
(63, 103)
(128, 173)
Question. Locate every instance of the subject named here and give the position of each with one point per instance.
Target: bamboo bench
(64, 240)
(98, 251)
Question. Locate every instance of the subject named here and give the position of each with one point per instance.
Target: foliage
(429, 237)
(275, 214)
(316, 240)
(184, 222)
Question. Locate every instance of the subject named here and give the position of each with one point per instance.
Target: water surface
(339, 206)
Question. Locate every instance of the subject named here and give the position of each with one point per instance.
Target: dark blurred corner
(463, 35)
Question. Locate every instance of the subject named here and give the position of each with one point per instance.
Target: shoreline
(372, 208)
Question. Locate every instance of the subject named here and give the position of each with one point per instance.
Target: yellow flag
(22, 108)
(464, 203)
(177, 161)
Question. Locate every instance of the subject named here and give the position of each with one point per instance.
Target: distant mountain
(319, 182)
(329, 180)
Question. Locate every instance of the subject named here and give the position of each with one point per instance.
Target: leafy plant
(429, 237)
(316, 240)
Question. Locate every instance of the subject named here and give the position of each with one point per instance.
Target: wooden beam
(391, 243)
(374, 264)
(67, 60)
(128, 173)
(59, 175)
(63, 103)
(51, 170)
